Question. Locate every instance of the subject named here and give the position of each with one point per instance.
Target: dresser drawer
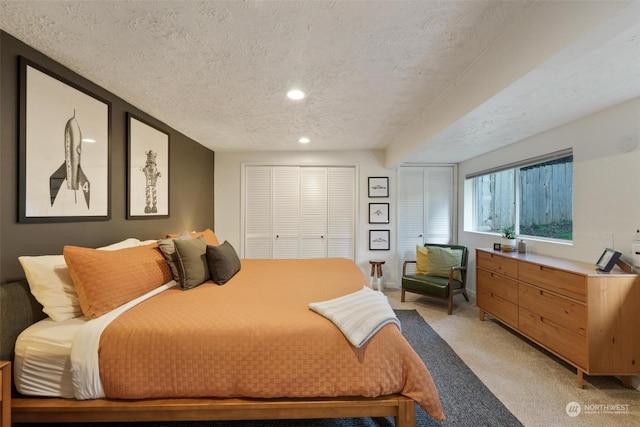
(565, 312)
(497, 263)
(498, 296)
(568, 344)
(498, 285)
(562, 282)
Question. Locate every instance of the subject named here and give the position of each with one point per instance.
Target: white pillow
(51, 284)
(126, 243)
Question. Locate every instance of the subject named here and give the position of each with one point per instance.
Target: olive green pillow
(440, 260)
(192, 260)
(168, 249)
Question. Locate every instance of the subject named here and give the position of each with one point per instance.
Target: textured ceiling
(218, 71)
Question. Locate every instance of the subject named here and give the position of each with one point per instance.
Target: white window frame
(470, 218)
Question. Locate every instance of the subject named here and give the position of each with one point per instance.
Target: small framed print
(378, 213)
(379, 240)
(148, 173)
(497, 246)
(378, 186)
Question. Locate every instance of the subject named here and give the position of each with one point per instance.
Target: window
(533, 196)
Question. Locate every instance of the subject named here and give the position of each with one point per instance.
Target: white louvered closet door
(341, 212)
(410, 212)
(426, 208)
(438, 204)
(299, 212)
(258, 213)
(313, 212)
(286, 211)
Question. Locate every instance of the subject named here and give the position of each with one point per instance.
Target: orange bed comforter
(256, 337)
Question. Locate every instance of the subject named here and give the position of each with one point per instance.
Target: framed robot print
(148, 174)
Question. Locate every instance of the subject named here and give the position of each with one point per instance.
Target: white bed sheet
(60, 359)
(42, 364)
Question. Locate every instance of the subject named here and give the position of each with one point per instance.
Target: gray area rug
(465, 399)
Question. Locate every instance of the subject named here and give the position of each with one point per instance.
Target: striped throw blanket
(358, 315)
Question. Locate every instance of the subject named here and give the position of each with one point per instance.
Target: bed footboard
(30, 410)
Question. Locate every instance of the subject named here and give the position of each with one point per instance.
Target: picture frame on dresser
(607, 260)
(64, 138)
(148, 171)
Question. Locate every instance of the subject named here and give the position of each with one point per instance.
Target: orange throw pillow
(208, 234)
(105, 280)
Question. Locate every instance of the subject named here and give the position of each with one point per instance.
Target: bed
(247, 349)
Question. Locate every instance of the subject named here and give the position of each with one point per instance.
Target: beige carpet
(535, 386)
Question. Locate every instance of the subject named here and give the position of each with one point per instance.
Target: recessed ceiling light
(304, 140)
(295, 94)
(89, 140)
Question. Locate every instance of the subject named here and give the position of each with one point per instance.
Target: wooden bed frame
(30, 410)
(18, 310)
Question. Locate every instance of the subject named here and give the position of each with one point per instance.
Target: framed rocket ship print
(148, 174)
(64, 150)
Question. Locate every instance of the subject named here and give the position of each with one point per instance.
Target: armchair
(435, 285)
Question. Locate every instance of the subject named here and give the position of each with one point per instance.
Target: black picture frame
(148, 170)
(64, 149)
(378, 213)
(497, 246)
(378, 186)
(607, 260)
(379, 240)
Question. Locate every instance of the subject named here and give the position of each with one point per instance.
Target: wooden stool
(376, 267)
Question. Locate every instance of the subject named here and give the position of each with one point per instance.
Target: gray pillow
(192, 261)
(223, 262)
(168, 249)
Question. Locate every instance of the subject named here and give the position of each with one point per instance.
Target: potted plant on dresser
(508, 241)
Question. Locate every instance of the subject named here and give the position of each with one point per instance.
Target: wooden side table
(5, 394)
(376, 267)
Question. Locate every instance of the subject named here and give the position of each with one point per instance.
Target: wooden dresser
(589, 319)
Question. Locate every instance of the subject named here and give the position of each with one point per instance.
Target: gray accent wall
(190, 186)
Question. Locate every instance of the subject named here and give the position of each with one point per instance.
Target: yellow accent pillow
(440, 261)
(105, 280)
(421, 260)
